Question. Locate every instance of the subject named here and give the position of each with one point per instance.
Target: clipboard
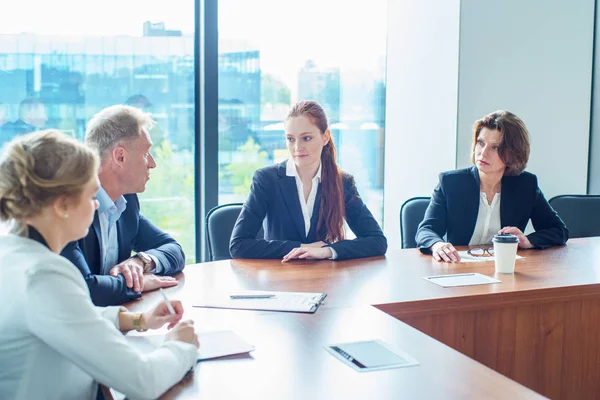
(301, 302)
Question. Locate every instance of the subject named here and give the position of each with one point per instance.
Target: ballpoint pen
(251, 296)
(167, 302)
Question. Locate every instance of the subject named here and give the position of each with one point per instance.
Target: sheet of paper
(212, 344)
(466, 258)
(282, 301)
(453, 280)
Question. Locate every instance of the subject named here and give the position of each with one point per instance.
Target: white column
(422, 85)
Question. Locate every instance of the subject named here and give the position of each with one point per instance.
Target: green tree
(273, 90)
(168, 201)
(240, 173)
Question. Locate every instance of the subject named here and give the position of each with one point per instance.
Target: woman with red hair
(305, 200)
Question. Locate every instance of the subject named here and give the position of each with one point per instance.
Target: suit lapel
(289, 192)
(98, 232)
(121, 247)
(472, 203)
(314, 219)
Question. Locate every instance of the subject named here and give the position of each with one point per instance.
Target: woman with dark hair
(305, 200)
(469, 206)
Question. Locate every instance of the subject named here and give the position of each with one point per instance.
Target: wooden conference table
(539, 327)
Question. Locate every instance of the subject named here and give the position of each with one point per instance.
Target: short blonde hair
(116, 123)
(515, 146)
(37, 168)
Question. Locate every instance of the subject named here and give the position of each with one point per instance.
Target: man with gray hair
(120, 135)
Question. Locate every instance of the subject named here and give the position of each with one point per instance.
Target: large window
(65, 60)
(274, 53)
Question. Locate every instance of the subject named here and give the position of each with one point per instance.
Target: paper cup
(505, 252)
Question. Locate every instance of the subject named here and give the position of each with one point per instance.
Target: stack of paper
(212, 344)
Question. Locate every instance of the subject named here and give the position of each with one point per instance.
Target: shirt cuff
(333, 254)
(158, 268)
(112, 314)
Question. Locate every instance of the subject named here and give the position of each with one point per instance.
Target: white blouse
(307, 206)
(55, 344)
(488, 221)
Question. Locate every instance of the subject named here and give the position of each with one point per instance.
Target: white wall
(422, 83)
(534, 58)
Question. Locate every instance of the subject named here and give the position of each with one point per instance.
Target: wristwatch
(146, 260)
(137, 322)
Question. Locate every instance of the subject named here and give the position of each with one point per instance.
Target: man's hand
(133, 271)
(153, 282)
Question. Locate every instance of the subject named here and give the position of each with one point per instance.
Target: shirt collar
(105, 203)
(290, 170)
(34, 234)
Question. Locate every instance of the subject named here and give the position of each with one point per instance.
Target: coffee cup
(505, 252)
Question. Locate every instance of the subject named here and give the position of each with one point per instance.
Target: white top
(307, 206)
(54, 344)
(488, 220)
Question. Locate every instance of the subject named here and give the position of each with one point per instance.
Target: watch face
(144, 257)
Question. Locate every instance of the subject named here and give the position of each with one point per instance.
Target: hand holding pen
(182, 331)
(167, 311)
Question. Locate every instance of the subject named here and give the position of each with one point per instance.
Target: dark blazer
(274, 199)
(454, 206)
(134, 232)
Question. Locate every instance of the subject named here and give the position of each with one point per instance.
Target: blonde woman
(54, 343)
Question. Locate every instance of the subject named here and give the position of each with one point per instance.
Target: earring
(66, 215)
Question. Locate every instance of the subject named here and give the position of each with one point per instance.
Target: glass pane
(74, 64)
(272, 55)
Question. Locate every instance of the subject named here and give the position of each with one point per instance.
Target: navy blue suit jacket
(454, 206)
(274, 199)
(134, 232)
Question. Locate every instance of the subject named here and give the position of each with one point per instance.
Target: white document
(212, 344)
(453, 280)
(281, 301)
(466, 258)
(370, 355)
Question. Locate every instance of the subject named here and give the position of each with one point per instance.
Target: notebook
(280, 301)
(212, 344)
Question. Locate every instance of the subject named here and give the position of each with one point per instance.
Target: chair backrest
(581, 214)
(219, 225)
(411, 215)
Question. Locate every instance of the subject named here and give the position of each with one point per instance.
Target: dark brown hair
(332, 190)
(514, 148)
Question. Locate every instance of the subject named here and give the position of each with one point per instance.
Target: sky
(333, 33)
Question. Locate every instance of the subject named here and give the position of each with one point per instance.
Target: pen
(167, 302)
(251, 296)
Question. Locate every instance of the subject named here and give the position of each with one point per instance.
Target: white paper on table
(453, 280)
(281, 301)
(212, 344)
(466, 258)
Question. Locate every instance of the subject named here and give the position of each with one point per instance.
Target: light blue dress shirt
(108, 214)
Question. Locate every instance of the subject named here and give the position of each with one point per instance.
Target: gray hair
(113, 124)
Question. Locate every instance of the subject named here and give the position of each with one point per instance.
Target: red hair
(332, 188)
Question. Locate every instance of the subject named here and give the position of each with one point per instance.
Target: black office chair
(219, 225)
(581, 214)
(411, 215)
